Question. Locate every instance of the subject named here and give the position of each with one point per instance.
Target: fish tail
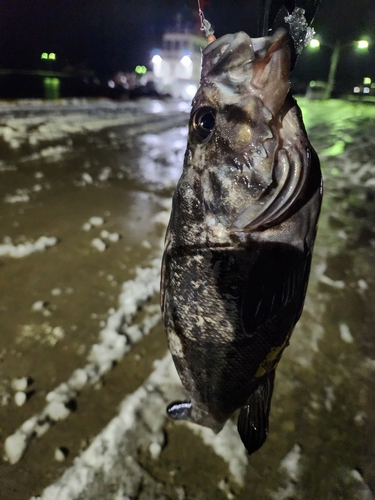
(254, 416)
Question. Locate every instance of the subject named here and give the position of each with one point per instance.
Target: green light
(314, 43)
(367, 80)
(52, 56)
(362, 44)
(141, 70)
(44, 55)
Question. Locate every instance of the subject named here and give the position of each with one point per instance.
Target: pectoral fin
(253, 419)
(179, 410)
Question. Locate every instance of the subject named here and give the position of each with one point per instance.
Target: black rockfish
(239, 242)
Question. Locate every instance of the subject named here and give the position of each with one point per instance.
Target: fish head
(244, 131)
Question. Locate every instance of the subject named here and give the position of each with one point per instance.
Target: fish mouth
(235, 50)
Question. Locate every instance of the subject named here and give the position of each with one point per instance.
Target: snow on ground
(112, 456)
(113, 453)
(115, 341)
(8, 249)
(60, 120)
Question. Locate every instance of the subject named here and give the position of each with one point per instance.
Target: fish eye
(204, 122)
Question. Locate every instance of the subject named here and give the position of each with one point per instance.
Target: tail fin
(253, 419)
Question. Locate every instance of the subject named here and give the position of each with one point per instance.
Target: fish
(239, 242)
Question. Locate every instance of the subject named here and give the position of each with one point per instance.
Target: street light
(362, 44)
(48, 56)
(141, 70)
(315, 43)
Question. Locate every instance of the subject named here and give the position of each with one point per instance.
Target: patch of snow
(228, 446)
(21, 196)
(87, 178)
(99, 244)
(56, 410)
(339, 284)
(112, 455)
(7, 168)
(291, 465)
(155, 450)
(14, 447)
(96, 221)
(104, 174)
(360, 418)
(291, 462)
(24, 249)
(38, 306)
(60, 455)
(345, 334)
(115, 342)
(146, 244)
(112, 237)
(224, 486)
(51, 153)
(44, 333)
(20, 398)
(362, 285)
(19, 384)
(330, 398)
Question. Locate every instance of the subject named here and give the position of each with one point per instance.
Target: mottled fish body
(240, 238)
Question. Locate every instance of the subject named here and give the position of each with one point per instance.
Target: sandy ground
(107, 436)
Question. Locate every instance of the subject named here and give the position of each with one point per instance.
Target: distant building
(177, 65)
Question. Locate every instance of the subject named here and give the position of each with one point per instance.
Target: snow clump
(24, 249)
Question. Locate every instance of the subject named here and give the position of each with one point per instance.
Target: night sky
(115, 35)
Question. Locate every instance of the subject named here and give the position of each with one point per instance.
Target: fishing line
(206, 26)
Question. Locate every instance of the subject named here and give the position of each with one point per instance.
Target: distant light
(191, 90)
(111, 84)
(366, 90)
(52, 56)
(44, 55)
(186, 61)
(312, 83)
(362, 44)
(157, 59)
(356, 90)
(367, 80)
(140, 70)
(314, 43)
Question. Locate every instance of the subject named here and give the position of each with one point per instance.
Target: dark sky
(112, 35)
